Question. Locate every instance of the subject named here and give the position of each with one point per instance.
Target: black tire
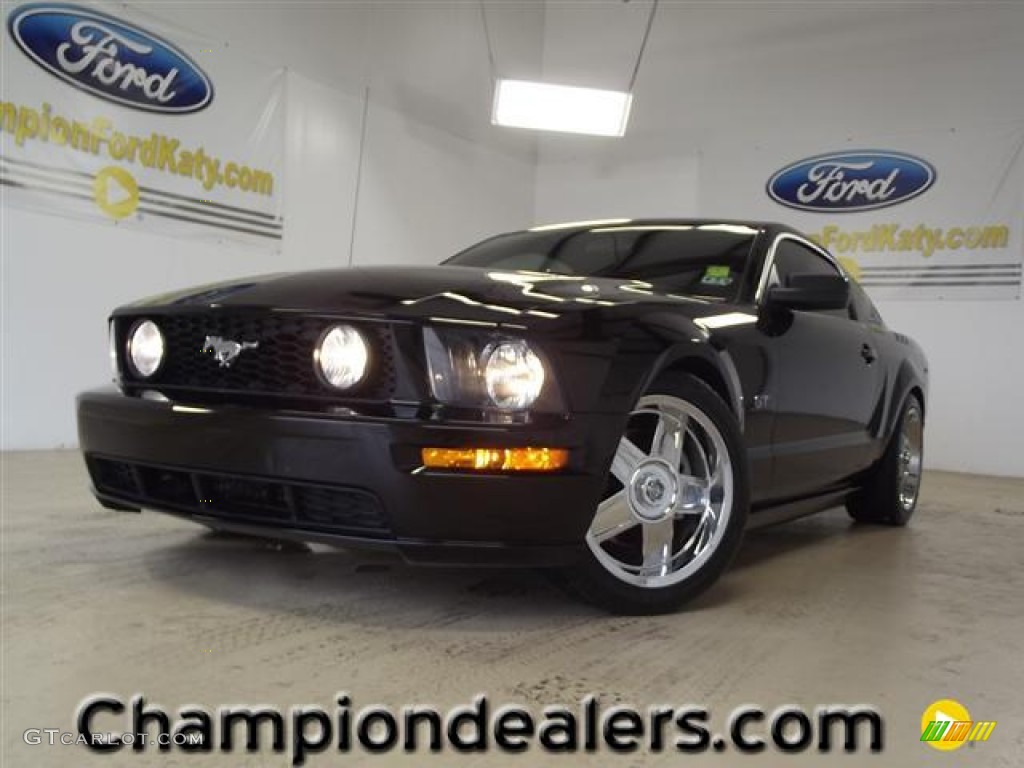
(598, 585)
(878, 501)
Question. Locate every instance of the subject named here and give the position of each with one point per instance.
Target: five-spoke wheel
(674, 495)
(675, 503)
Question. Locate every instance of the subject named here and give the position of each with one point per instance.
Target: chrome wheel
(670, 495)
(909, 457)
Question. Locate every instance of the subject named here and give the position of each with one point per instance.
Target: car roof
(624, 223)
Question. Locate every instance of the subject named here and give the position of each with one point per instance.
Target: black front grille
(245, 499)
(280, 364)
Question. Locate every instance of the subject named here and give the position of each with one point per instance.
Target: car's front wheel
(676, 503)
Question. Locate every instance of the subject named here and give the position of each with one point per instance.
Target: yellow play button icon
(116, 192)
(945, 724)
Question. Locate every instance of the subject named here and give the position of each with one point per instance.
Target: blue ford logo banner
(860, 180)
(110, 59)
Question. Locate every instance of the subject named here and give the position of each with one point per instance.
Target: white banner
(108, 113)
(930, 215)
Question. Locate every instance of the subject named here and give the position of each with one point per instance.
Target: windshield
(706, 260)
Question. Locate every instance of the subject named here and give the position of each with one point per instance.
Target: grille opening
(310, 507)
(325, 507)
(114, 477)
(167, 485)
(281, 365)
(245, 498)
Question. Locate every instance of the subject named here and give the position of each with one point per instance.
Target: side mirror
(807, 290)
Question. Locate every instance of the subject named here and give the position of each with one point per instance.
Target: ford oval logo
(109, 58)
(851, 181)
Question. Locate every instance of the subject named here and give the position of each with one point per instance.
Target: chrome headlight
(342, 357)
(476, 370)
(145, 348)
(514, 375)
(112, 348)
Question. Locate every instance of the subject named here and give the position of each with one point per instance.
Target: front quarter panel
(910, 372)
(730, 358)
(640, 348)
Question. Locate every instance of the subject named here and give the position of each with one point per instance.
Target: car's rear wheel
(889, 494)
(676, 503)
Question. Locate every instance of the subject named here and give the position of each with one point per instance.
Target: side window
(793, 258)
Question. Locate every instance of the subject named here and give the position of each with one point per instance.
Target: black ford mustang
(620, 399)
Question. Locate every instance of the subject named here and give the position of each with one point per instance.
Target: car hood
(419, 293)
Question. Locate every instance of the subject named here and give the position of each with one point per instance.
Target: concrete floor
(813, 613)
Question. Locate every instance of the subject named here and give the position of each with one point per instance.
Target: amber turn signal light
(496, 459)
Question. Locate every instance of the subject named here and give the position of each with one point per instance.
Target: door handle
(868, 353)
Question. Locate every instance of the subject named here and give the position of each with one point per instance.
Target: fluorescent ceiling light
(547, 107)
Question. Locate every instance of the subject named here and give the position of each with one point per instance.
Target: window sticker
(717, 275)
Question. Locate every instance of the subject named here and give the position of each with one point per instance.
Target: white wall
(435, 177)
(736, 74)
(427, 193)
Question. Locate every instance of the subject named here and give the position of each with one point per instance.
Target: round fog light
(342, 357)
(146, 348)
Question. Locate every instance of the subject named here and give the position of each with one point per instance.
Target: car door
(826, 380)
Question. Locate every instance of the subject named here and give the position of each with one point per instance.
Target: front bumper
(346, 480)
